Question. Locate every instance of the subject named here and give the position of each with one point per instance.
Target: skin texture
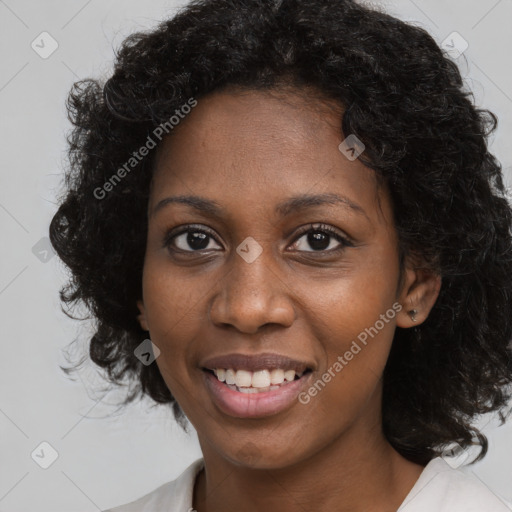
(248, 151)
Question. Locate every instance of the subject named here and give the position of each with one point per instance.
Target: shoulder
(444, 489)
(175, 495)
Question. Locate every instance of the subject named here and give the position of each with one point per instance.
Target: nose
(251, 296)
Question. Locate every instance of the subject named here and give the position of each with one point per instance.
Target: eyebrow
(293, 204)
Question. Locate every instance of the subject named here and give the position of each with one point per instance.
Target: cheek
(354, 316)
(347, 304)
(174, 314)
(355, 348)
(356, 340)
(169, 302)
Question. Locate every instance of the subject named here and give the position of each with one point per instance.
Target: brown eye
(320, 239)
(190, 239)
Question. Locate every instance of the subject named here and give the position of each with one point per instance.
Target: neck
(358, 471)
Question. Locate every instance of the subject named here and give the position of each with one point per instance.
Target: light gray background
(107, 458)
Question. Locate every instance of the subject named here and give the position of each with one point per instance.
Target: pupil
(193, 238)
(318, 240)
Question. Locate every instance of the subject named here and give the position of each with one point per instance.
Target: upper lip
(266, 361)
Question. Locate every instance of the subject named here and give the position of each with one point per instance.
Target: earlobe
(419, 294)
(142, 316)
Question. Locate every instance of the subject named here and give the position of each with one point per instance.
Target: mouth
(261, 381)
(242, 387)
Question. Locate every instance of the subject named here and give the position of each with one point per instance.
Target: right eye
(190, 239)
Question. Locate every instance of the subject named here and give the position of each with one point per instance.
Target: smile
(260, 381)
(269, 392)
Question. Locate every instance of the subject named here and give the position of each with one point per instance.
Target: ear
(418, 295)
(142, 317)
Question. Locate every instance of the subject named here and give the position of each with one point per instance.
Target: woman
(294, 201)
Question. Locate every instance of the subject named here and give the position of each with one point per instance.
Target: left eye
(320, 239)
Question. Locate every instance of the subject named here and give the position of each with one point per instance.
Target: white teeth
(248, 390)
(277, 376)
(289, 375)
(230, 377)
(262, 380)
(243, 379)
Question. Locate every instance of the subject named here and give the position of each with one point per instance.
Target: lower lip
(254, 405)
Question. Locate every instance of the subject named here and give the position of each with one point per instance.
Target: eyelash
(311, 228)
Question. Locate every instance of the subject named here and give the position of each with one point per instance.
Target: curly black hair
(403, 97)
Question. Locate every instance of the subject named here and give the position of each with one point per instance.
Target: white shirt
(440, 488)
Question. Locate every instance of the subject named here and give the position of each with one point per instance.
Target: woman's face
(252, 276)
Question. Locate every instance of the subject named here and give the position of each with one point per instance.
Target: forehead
(237, 118)
(261, 146)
